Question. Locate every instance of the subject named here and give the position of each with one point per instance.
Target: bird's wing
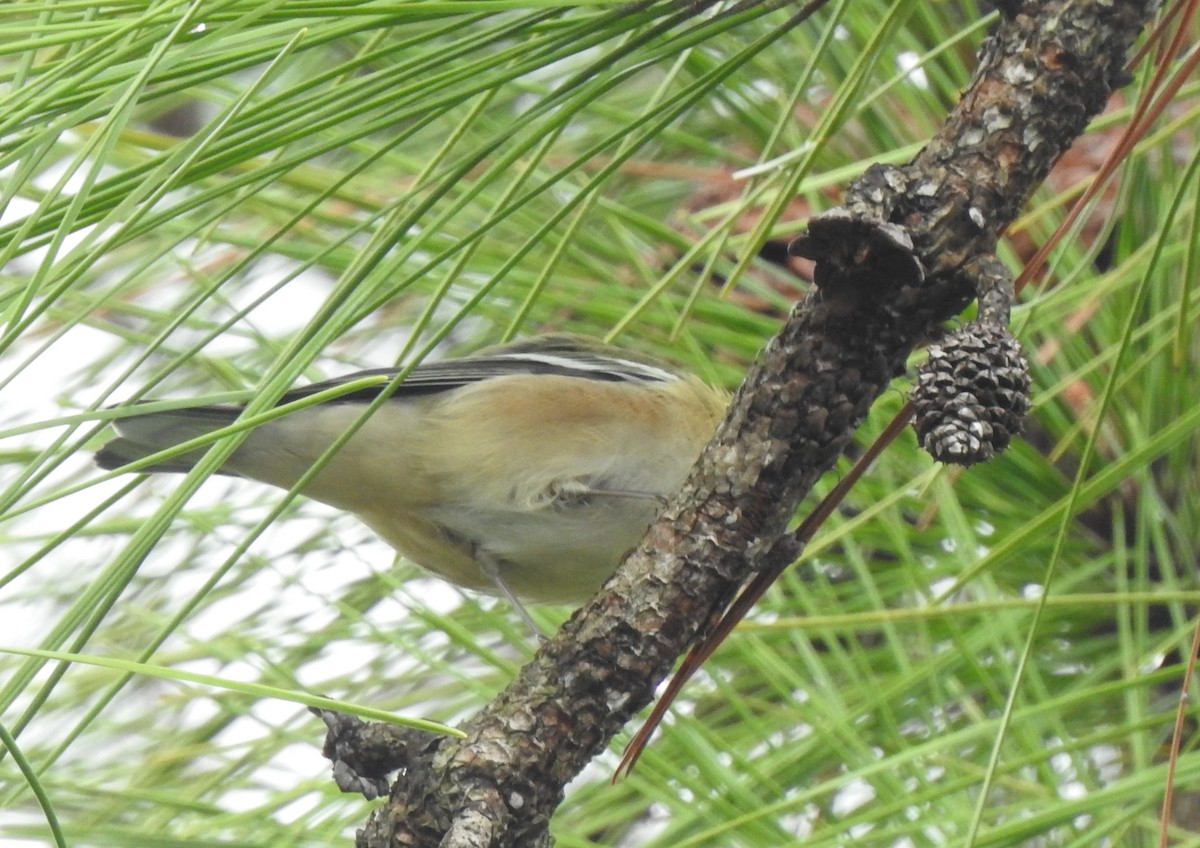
(559, 355)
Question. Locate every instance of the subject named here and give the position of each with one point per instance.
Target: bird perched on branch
(528, 469)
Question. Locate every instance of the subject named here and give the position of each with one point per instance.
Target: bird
(527, 470)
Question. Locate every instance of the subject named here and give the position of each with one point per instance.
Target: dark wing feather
(559, 355)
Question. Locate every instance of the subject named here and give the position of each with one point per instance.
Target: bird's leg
(490, 566)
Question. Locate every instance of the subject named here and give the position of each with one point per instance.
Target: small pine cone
(971, 394)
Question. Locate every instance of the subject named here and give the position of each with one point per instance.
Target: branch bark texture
(897, 262)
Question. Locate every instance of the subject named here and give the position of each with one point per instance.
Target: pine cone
(971, 394)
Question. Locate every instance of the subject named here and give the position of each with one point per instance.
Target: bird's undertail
(143, 435)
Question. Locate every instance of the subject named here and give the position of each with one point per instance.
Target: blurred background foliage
(220, 198)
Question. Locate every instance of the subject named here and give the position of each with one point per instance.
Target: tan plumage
(528, 469)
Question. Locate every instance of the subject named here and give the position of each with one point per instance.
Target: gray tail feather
(142, 435)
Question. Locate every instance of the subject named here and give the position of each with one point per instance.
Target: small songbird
(528, 469)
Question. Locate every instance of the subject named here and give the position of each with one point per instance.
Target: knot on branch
(857, 257)
(363, 753)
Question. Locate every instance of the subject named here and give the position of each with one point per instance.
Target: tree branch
(892, 266)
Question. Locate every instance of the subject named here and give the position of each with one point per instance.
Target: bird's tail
(143, 435)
